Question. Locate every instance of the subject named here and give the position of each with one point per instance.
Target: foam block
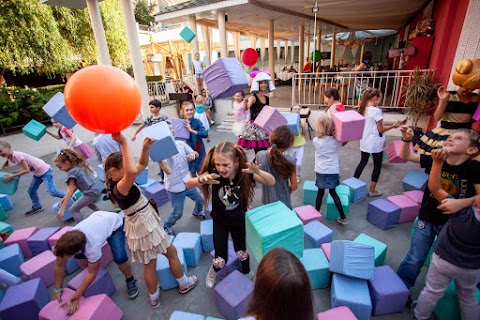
(326, 249)
(224, 78)
(20, 237)
(293, 122)
(448, 307)
(100, 172)
(274, 225)
(157, 192)
(181, 133)
(149, 182)
(5, 227)
(409, 208)
(476, 115)
(352, 293)
(78, 194)
(66, 214)
(387, 291)
(164, 147)
(316, 233)
(190, 242)
(53, 311)
(25, 300)
(98, 307)
(343, 189)
(231, 265)
(8, 188)
(269, 118)
(232, 295)
(310, 191)
(383, 213)
(332, 211)
(358, 188)
(6, 202)
(38, 242)
(56, 109)
(187, 34)
(34, 130)
(106, 258)
(40, 266)
(102, 283)
(316, 265)
(415, 180)
(212, 318)
(180, 315)
(340, 313)
(352, 259)
(379, 247)
(308, 214)
(52, 241)
(393, 151)
(11, 258)
(415, 195)
(3, 214)
(142, 177)
(165, 275)
(7, 279)
(348, 125)
(384, 156)
(206, 234)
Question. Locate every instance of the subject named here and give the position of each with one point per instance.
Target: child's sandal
(185, 289)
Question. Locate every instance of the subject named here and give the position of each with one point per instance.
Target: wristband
(57, 290)
(404, 140)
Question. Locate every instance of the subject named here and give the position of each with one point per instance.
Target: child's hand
(450, 206)
(439, 155)
(192, 156)
(188, 126)
(397, 124)
(443, 94)
(134, 137)
(407, 132)
(210, 178)
(119, 137)
(147, 143)
(8, 178)
(252, 168)
(60, 214)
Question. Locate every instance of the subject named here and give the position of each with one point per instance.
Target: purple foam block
(384, 214)
(232, 295)
(232, 264)
(20, 237)
(38, 242)
(40, 266)
(409, 208)
(98, 307)
(25, 300)
(53, 311)
(102, 283)
(415, 195)
(181, 132)
(388, 292)
(158, 193)
(308, 213)
(340, 313)
(8, 278)
(224, 78)
(52, 241)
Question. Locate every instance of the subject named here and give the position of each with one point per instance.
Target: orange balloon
(103, 99)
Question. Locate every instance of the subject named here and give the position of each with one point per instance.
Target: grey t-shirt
(281, 189)
(85, 181)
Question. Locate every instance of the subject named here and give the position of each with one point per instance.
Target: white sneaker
(250, 275)
(342, 221)
(211, 278)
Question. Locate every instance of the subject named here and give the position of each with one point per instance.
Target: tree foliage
(143, 12)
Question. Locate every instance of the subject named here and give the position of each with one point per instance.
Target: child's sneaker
(33, 210)
(169, 231)
(250, 275)
(155, 303)
(200, 215)
(376, 193)
(211, 278)
(132, 289)
(185, 289)
(342, 221)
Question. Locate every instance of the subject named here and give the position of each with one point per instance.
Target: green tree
(143, 12)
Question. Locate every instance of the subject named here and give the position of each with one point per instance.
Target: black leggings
(220, 240)
(377, 165)
(336, 199)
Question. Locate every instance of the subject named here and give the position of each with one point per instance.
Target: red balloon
(103, 99)
(249, 56)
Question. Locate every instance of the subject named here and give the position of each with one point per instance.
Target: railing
(160, 89)
(308, 88)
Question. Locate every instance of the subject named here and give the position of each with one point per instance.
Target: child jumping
(282, 167)
(73, 142)
(42, 172)
(224, 180)
(327, 165)
(143, 227)
(81, 177)
(298, 147)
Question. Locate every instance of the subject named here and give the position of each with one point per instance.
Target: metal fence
(160, 89)
(308, 88)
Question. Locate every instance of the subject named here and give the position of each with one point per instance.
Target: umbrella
(365, 34)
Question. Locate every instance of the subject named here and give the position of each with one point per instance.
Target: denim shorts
(327, 181)
(198, 75)
(117, 245)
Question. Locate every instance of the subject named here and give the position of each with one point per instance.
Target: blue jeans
(117, 246)
(423, 236)
(47, 177)
(178, 202)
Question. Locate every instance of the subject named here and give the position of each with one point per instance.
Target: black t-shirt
(458, 181)
(125, 202)
(257, 106)
(227, 200)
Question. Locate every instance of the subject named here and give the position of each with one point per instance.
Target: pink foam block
(409, 207)
(415, 195)
(98, 307)
(476, 115)
(326, 248)
(269, 119)
(52, 241)
(348, 125)
(106, 258)
(342, 313)
(40, 266)
(53, 311)
(393, 151)
(20, 237)
(308, 213)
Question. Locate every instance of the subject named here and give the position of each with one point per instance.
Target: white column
(253, 42)
(332, 58)
(223, 33)
(301, 44)
(236, 44)
(192, 21)
(271, 51)
(207, 42)
(308, 44)
(286, 50)
(135, 54)
(99, 32)
(362, 49)
(292, 52)
(262, 50)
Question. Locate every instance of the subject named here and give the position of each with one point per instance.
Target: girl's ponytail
(366, 97)
(281, 138)
(74, 158)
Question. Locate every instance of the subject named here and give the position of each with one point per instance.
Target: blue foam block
(387, 291)
(11, 257)
(310, 191)
(56, 109)
(38, 242)
(142, 178)
(352, 259)
(316, 233)
(224, 78)
(8, 188)
(34, 130)
(165, 275)
(6, 202)
(100, 172)
(352, 293)
(144, 186)
(66, 215)
(187, 34)
(157, 192)
(358, 189)
(232, 295)
(190, 242)
(72, 265)
(8, 279)
(415, 180)
(206, 233)
(164, 147)
(24, 300)
(293, 123)
(316, 264)
(383, 213)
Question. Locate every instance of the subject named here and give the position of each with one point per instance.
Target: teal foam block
(181, 315)
(379, 247)
(352, 259)
(310, 191)
(3, 214)
(316, 265)
(34, 130)
(5, 227)
(6, 202)
(332, 211)
(448, 307)
(274, 225)
(187, 34)
(8, 188)
(343, 189)
(384, 156)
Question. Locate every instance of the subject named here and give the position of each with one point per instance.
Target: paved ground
(201, 300)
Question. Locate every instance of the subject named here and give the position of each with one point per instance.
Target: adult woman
(362, 83)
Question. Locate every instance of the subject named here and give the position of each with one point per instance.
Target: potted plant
(420, 99)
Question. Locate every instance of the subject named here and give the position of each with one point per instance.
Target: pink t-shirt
(37, 166)
(239, 112)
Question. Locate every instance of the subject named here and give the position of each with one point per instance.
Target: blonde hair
(324, 126)
(4, 144)
(74, 158)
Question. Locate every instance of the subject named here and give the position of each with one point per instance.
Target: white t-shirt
(326, 155)
(371, 141)
(198, 66)
(98, 227)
